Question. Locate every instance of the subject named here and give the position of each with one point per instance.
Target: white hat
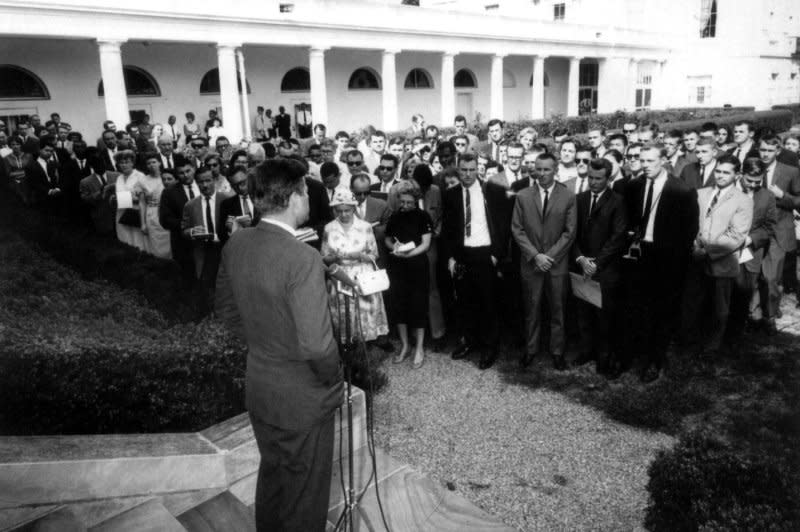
(342, 196)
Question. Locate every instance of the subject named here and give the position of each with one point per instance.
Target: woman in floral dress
(149, 191)
(350, 243)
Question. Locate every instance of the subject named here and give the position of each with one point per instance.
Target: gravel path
(534, 458)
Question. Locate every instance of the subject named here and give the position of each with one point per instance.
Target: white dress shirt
(768, 179)
(658, 187)
(479, 225)
(211, 201)
(549, 191)
(282, 225)
(195, 190)
(581, 184)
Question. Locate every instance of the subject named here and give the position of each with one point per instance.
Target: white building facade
(379, 62)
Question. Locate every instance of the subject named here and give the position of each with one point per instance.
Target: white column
(630, 87)
(319, 91)
(572, 86)
(496, 87)
(229, 92)
(658, 98)
(115, 94)
(245, 100)
(389, 75)
(448, 89)
(537, 88)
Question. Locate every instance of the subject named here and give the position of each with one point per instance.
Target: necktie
(246, 207)
(52, 176)
(591, 207)
(209, 218)
(544, 203)
(169, 163)
(648, 204)
(582, 185)
(190, 192)
(737, 153)
(467, 215)
(713, 203)
(102, 179)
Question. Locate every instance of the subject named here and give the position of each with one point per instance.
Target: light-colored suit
(724, 228)
(552, 234)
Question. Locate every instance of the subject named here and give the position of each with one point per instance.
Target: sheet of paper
(745, 255)
(124, 200)
(586, 289)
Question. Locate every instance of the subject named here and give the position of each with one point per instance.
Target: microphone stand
(347, 349)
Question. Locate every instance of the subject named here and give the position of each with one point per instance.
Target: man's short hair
(690, 130)
(329, 169)
(754, 166)
(494, 122)
(397, 141)
(560, 132)
(615, 154)
(516, 145)
(732, 160)
(602, 164)
(274, 182)
(705, 141)
(320, 126)
(620, 137)
(650, 126)
(47, 140)
(540, 147)
(204, 169)
(107, 123)
(342, 135)
(360, 177)
(495, 164)
(675, 134)
(570, 140)
(314, 146)
(709, 126)
(547, 156)
(353, 153)
(378, 133)
(771, 140)
(221, 137)
(597, 127)
(390, 157)
(467, 157)
(750, 126)
(459, 118)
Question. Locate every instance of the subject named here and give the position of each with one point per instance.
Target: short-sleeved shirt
(408, 226)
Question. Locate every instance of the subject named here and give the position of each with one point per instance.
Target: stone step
(61, 520)
(223, 513)
(151, 516)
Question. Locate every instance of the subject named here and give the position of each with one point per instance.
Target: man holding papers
(596, 255)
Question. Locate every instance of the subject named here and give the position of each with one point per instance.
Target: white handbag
(373, 282)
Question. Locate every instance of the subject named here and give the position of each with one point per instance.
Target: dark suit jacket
(602, 235)
(765, 218)
(552, 234)
(293, 377)
(752, 152)
(497, 216)
(194, 215)
(786, 178)
(676, 218)
(170, 214)
(232, 206)
(40, 185)
(691, 176)
(521, 184)
(108, 160)
(96, 197)
(71, 176)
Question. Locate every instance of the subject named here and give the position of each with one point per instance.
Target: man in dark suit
(743, 133)
(95, 191)
(663, 215)
(597, 253)
(784, 183)
(73, 169)
(474, 239)
(42, 175)
(632, 169)
(513, 169)
(170, 215)
(700, 174)
(373, 210)
(109, 149)
(201, 224)
(762, 231)
(283, 123)
(386, 172)
(294, 380)
(238, 210)
(319, 208)
(676, 160)
(496, 138)
(544, 225)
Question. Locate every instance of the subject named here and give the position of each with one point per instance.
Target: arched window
(418, 78)
(546, 80)
(509, 81)
(465, 79)
(364, 78)
(210, 82)
(138, 82)
(16, 83)
(296, 80)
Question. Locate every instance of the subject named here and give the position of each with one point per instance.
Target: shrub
(793, 107)
(705, 484)
(158, 280)
(81, 356)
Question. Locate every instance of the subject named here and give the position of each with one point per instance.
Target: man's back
(272, 287)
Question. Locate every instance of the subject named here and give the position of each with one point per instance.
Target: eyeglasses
(584, 161)
(198, 146)
(628, 131)
(632, 156)
(359, 194)
(386, 168)
(354, 163)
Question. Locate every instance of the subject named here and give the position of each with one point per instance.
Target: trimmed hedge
(81, 356)
(793, 107)
(706, 484)
(158, 280)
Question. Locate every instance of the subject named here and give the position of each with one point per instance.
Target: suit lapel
(602, 200)
(537, 199)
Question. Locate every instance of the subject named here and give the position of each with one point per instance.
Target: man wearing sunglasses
(387, 173)
(580, 183)
(353, 160)
(632, 168)
(629, 130)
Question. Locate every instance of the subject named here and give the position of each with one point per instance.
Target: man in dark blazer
(319, 209)
(201, 224)
(474, 239)
(784, 183)
(762, 231)
(236, 209)
(663, 216)
(543, 225)
(75, 168)
(170, 215)
(700, 174)
(42, 175)
(373, 210)
(597, 253)
(95, 191)
(293, 380)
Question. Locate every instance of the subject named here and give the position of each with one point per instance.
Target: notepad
(586, 289)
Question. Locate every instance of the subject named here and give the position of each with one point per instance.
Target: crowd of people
(667, 237)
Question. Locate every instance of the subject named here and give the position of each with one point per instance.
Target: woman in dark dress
(408, 270)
